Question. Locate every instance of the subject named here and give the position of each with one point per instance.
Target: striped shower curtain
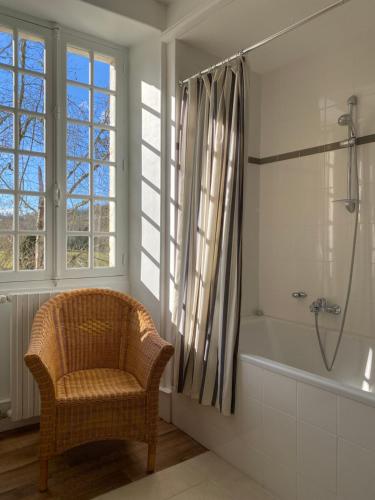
(210, 166)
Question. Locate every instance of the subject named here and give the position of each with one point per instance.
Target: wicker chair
(98, 360)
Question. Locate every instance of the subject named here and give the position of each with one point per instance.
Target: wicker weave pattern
(98, 360)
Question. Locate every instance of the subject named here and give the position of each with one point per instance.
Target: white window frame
(57, 39)
(46, 34)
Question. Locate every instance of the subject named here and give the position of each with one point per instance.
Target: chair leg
(151, 458)
(43, 478)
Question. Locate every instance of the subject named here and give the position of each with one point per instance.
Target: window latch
(57, 195)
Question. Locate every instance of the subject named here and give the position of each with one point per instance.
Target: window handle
(57, 195)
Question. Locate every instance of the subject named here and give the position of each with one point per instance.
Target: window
(90, 159)
(22, 151)
(45, 152)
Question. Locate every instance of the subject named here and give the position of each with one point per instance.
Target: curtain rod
(280, 33)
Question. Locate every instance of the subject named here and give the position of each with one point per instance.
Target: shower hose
(329, 365)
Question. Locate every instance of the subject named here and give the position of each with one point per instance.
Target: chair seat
(97, 384)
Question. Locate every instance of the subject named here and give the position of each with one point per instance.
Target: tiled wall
(305, 238)
(298, 441)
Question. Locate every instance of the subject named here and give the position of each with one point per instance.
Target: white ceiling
(85, 17)
(242, 23)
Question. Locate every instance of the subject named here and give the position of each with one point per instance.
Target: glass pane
(77, 140)
(6, 87)
(78, 177)
(31, 213)
(104, 251)
(6, 211)
(104, 216)
(31, 131)
(6, 129)
(6, 171)
(104, 108)
(32, 173)
(6, 46)
(78, 103)
(77, 214)
(6, 252)
(104, 72)
(31, 252)
(104, 145)
(31, 93)
(104, 181)
(78, 65)
(77, 251)
(31, 53)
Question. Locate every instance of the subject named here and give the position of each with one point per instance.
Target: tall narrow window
(90, 160)
(22, 151)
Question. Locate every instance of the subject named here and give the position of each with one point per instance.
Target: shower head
(346, 120)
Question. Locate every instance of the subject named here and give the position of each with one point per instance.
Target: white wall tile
(280, 392)
(356, 472)
(249, 381)
(317, 453)
(280, 437)
(317, 407)
(357, 423)
(280, 480)
(307, 489)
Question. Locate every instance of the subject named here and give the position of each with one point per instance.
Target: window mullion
(91, 221)
(16, 153)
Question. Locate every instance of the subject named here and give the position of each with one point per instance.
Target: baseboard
(165, 404)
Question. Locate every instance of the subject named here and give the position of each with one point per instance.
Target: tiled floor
(205, 477)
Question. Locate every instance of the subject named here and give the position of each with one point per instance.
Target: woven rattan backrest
(91, 327)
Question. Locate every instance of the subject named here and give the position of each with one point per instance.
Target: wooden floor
(86, 471)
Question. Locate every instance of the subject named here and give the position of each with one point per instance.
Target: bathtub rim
(318, 381)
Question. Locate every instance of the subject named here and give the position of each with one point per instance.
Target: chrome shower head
(345, 120)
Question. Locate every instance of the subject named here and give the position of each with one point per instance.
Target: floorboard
(86, 471)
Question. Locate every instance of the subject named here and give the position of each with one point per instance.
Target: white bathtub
(292, 349)
(302, 433)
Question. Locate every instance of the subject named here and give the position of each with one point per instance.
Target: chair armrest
(42, 357)
(147, 353)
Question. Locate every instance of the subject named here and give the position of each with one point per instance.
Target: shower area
(304, 425)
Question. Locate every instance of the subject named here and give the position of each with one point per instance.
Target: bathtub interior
(296, 345)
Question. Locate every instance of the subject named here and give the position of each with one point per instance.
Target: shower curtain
(210, 167)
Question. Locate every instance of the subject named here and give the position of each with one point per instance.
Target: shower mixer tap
(322, 305)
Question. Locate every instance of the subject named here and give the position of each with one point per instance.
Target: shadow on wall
(151, 188)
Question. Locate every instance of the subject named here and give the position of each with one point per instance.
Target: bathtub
(301, 432)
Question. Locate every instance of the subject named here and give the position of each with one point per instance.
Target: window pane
(104, 216)
(77, 177)
(31, 213)
(6, 87)
(104, 181)
(31, 94)
(77, 214)
(6, 171)
(6, 129)
(78, 103)
(77, 251)
(104, 108)
(104, 145)
(6, 46)
(32, 173)
(104, 72)
(104, 251)
(6, 211)
(31, 131)
(77, 140)
(6, 252)
(31, 252)
(78, 65)
(31, 53)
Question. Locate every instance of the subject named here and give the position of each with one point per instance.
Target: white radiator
(24, 393)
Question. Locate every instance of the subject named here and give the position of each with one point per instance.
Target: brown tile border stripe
(366, 139)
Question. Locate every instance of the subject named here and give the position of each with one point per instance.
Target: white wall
(144, 243)
(305, 239)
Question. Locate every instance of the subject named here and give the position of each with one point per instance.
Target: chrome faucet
(322, 305)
